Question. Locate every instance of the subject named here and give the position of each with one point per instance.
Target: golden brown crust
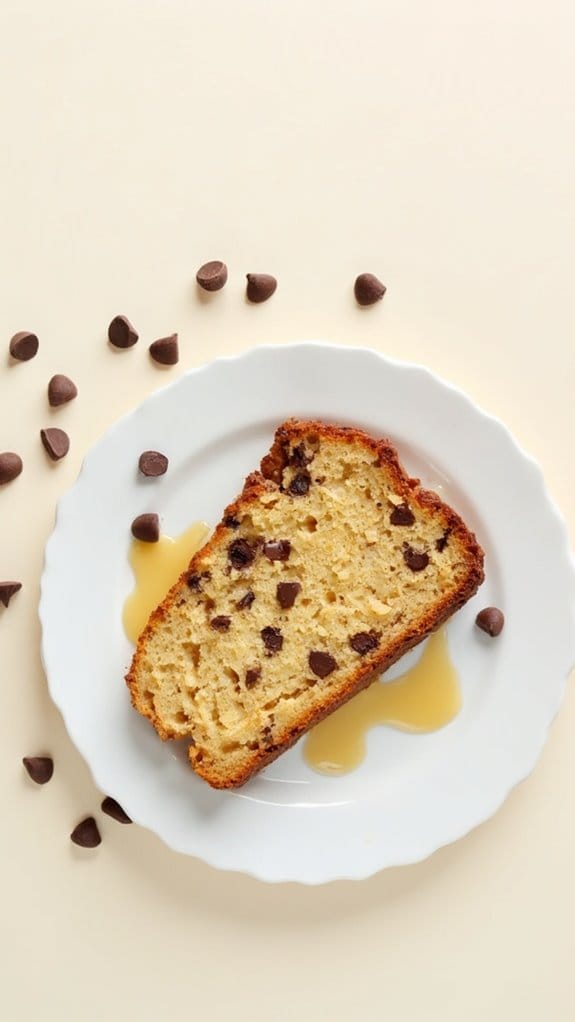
(269, 480)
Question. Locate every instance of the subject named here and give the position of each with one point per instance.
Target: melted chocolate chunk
(300, 457)
(195, 581)
(277, 549)
(240, 554)
(402, 515)
(490, 620)
(221, 623)
(40, 768)
(253, 675)
(417, 560)
(272, 638)
(441, 543)
(321, 663)
(364, 642)
(300, 484)
(231, 523)
(246, 600)
(286, 593)
(114, 809)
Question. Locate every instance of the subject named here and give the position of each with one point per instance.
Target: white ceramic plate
(413, 793)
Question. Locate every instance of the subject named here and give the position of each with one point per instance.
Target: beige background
(431, 143)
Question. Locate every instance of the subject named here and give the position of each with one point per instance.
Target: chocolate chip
(402, 515)
(61, 389)
(194, 581)
(240, 554)
(56, 442)
(40, 768)
(24, 346)
(321, 663)
(368, 289)
(272, 639)
(152, 463)
(277, 549)
(114, 809)
(364, 642)
(253, 675)
(86, 834)
(260, 287)
(212, 276)
(286, 593)
(121, 333)
(441, 543)
(231, 523)
(221, 623)
(8, 590)
(300, 484)
(299, 457)
(246, 600)
(10, 467)
(146, 528)
(490, 620)
(165, 350)
(417, 560)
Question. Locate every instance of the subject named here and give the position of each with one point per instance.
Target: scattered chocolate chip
(253, 675)
(368, 289)
(286, 593)
(24, 346)
(231, 523)
(147, 528)
(272, 638)
(321, 663)
(165, 350)
(246, 600)
(300, 484)
(240, 554)
(277, 549)
(490, 620)
(194, 581)
(300, 457)
(114, 809)
(212, 276)
(40, 768)
(56, 442)
(364, 642)
(121, 333)
(10, 467)
(402, 515)
(152, 463)
(221, 623)
(441, 543)
(8, 590)
(260, 286)
(86, 834)
(417, 560)
(61, 389)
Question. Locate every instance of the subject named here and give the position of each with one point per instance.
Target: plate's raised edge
(505, 435)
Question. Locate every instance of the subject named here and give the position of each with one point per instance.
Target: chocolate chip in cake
(39, 768)
(56, 442)
(402, 515)
(8, 590)
(86, 834)
(212, 276)
(152, 463)
(260, 287)
(10, 467)
(364, 642)
(299, 457)
(253, 675)
(277, 549)
(240, 554)
(121, 333)
(286, 593)
(246, 601)
(300, 484)
(490, 620)
(114, 809)
(194, 581)
(417, 560)
(146, 528)
(272, 639)
(24, 345)
(321, 663)
(221, 623)
(231, 523)
(61, 389)
(441, 543)
(165, 350)
(368, 289)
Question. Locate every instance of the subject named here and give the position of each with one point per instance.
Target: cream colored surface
(430, 143)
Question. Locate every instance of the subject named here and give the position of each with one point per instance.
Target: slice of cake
(328, 567)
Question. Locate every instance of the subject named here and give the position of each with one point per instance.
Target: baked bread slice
(326, 569)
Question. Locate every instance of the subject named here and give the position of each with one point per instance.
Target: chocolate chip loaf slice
(328, 567)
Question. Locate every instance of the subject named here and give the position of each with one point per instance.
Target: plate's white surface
(413, 793)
